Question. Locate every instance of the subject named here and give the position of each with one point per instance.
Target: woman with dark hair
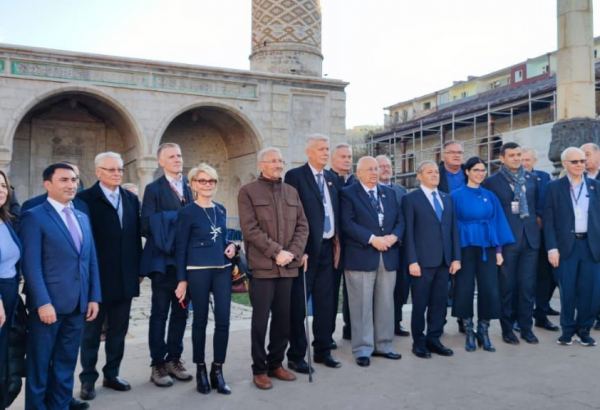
(483, 230)
(203, 257)
(10, 253)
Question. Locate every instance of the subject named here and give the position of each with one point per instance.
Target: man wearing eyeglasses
(114, 215)
(162, 199)
(572, 234)
(275, 231)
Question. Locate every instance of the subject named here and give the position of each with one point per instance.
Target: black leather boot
(202, 384)
(483, 339)
(217, 381)
(470, 345)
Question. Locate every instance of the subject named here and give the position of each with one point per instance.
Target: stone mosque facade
(58, 105)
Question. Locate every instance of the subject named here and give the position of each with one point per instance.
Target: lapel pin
(383, 195)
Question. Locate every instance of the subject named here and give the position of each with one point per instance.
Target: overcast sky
(389, 50)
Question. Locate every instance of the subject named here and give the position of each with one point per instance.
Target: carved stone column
(146, 167)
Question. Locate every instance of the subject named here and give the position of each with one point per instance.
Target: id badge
(514, 207)
(380, 215)
(577, 213)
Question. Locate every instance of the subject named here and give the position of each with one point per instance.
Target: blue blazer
(559, 217)
(54, 271)
(543, 179)
(15, 238)
(40, 199)
(303, 180)
(159, 197)
(428, 241)
(359, 220)
(194, 244)
(527, 227)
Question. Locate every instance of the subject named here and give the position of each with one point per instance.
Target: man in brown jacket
(275, 232)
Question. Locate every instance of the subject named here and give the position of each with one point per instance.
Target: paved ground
(546, 376)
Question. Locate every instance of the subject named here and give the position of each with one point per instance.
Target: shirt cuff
(371, 238)
(552, 251)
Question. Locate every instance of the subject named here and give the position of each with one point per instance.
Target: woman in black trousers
(10, 253)
(204, 267)
(483, 230)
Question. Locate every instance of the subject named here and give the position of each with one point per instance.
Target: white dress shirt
(59, 208)
(428, 193)
(326, 202)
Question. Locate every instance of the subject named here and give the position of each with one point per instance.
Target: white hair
(383, 158)
(108, 154)
(423, 164)
(342, 145)
(531, 151)
(363, 159)
(263, 152)
(591, 145)
(567, 151)
(311, 139)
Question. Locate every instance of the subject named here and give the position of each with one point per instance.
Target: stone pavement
(545, 376)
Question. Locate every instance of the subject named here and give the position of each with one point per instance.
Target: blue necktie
(326, 221)
(374, 201)
(437, 206)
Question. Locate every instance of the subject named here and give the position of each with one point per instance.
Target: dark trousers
(473, 267)
(517, 285)
(201, 283)
(163, 301)
(116, 315)
(9, 289)
(319, 283)
(401, 290)
(339, 279)
(429, 296)
(51, 359)
(269, 296)
(545, 286)
(578, 277)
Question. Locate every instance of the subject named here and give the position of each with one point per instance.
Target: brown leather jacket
(272, 219)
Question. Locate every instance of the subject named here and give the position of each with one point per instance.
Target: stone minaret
(286, 37)
(575, 79)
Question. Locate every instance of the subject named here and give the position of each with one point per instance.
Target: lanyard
(576, 199)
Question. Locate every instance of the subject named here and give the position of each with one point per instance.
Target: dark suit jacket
(399, 192)
(543, 179)
(443, 186)
(527, 227)
(40, 199)
(303, 180)
(119, 249)
(559, 217)
(54, 271)
(428, 241)
(159, 197)
(359, 220)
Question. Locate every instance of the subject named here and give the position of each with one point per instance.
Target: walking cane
(310, 369)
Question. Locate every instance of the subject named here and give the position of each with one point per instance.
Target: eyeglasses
(577, 161)
(275, 162)
(454, 152)
(206, 181)
(113, 170)
(478, 170)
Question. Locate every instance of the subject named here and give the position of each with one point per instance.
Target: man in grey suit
(402, 279)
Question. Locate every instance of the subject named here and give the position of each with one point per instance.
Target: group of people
(514, 236)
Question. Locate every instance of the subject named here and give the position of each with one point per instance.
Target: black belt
(327, 240)
(581, 235)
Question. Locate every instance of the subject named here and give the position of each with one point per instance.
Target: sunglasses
(577, 161)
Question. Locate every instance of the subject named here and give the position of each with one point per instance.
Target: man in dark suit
(318, 194)
(432, 248)
(373, 225)
(402, 287)
(592, 169)
(545, 283)
(162, 199)
(341, 166)
(572, 233)
(518, 193)
(115, 217)
(63, 288)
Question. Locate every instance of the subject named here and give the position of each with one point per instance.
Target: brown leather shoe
(282, 374)
(262, 381)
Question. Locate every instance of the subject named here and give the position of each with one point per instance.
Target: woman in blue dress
(203, 258)
(483, 230)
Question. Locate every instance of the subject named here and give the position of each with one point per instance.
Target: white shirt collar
(315, 172)
(175, 181)
(108, 192)
(58, 206)
(429, 191)
(367, 189)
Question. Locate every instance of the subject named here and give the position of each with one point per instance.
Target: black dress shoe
(78, 405)
(529, 337)
(388, 355)
(333, 345)
(328, 361)
(299, 367)
(88, 391)
(438, 348)
(399, 330)
(546, 324)
(510, 338)
(421, 352)
(363, 361)
(552, 312)
(117, 384)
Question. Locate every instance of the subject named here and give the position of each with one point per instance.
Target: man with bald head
(572, 233)
(372, 225)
